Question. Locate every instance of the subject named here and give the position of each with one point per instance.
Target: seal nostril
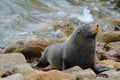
(97, 25)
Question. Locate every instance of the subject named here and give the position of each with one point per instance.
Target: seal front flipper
(48, 68)
(43, 62)
(99, 69)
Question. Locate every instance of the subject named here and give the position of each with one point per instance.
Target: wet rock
(8, 62)
(109, 62)
(52, 75)
(30, 47)
(16, 76)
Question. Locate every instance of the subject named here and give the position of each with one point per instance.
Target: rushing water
(22, 18)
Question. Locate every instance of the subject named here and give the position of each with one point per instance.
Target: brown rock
(108, 37)
(114, 45)
(52, 75)
(1, 73)
(30, 47)
(109, 62)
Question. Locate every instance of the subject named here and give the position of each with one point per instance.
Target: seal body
(78, 50)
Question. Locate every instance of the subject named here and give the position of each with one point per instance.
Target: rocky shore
(17, 60)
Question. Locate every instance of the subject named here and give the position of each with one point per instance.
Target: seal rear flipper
(99, 69)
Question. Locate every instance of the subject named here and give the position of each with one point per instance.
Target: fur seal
(79, 50)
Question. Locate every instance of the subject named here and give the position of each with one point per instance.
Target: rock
(102, 78)
(86, 79)
(101, 55)
(1, 51)
(30, 47)
(87, 73)
(16, 76)
(8, 62)
(16, 58)
(112, 73)
(107, 37)
(114, 45)
(115, 55)
(73, 70)
(52, 75)
(26, 70)
(7, 66)
(64, 27)
(1, 73)
(81, 74)
(109, 62)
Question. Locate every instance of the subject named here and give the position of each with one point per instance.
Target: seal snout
(94, 29)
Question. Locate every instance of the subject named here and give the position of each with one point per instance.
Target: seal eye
(78, 32)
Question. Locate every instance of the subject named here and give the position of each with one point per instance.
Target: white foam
(85, 17)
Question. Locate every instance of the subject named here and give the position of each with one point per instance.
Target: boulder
(1, 73)
(107, 37)
(65, 27)
(16, 76)
(30, 47)
(52, 75)
(8, 62)
(102, 78)
(109, 62)
(87, 73)
(114, 45)
(26, 70)
(73, 70)
(81, 74)
(112, 73)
